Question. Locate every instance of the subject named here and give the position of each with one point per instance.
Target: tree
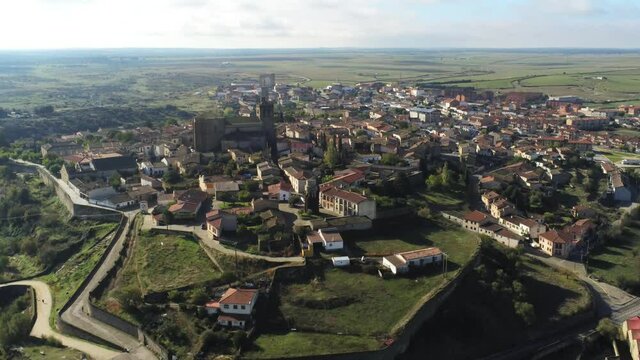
(198, 297)
(446, 175)
(535, 200)
(549, 217)
(114, 181)
(167, 216)
(293, 199)
(425, 212)
(172, 176)
(331, 156)
(401, 184)
(525, 311)
(434, 182)
(130, 297)
(608, 329)
(239, 338)
(244, 195)
(390, 159)
(251, 185)
(230, 168)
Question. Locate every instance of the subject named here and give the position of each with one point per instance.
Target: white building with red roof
(346, 203)
(234, 307)
(280, 191)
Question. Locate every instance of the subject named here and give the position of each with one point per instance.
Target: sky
(231, 24)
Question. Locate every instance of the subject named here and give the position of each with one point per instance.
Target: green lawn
(619, 261)
(390, 300)
(270, 346)
(616, 156)
(353, 293)
(163, 262)
(443, 199)
(392, 237)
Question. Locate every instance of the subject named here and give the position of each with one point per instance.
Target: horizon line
(317, 48)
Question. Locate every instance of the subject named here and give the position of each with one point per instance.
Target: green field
(397, 237)
(295, 343)
(616, 156)
(618, 262)
(391, 300)
(164, 262)
(186, 79)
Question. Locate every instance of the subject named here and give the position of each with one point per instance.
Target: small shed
(340, 261)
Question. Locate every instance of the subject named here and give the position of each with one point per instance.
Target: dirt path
(42, 329)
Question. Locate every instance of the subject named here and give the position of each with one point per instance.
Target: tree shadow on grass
(601, 264)
(546, 297)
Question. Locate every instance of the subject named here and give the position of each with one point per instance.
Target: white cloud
(316, 23)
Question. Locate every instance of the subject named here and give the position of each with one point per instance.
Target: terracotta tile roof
(216, 223)
(559, 237)
(475, 216)
(281, 186)
(420, 253)
(313, 237)
(346, 195)
(238, 296)
(183, 207)
(331, 236)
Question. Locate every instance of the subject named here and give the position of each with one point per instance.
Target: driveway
(42, 329)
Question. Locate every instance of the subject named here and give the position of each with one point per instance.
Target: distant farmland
(184, 78)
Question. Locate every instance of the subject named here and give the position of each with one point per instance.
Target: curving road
(76, 314)
(42, 329)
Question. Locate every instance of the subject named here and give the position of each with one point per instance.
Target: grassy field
(66, 280)
(392, 237)
(616, 156)
(391, 300)
(280, 346)
(555, 295)
(444, 199)
(163, 262)
(619, 261)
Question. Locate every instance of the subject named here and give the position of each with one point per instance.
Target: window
(242, 307)
(235, 307)
(226, 306)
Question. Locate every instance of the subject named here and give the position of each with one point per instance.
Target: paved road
(77, 316)
(42, 329)
(214, 244)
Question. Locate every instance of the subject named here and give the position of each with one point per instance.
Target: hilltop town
(294, 221)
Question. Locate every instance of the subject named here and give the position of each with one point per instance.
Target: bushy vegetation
(36, 232)
(502, 302)
(15, 321)
(616, 259)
